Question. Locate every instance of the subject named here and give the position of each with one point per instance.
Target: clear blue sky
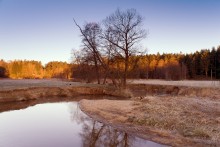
(43, 30)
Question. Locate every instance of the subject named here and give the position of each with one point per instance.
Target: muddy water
(60, 124)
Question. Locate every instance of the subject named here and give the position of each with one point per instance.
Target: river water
(60, 124)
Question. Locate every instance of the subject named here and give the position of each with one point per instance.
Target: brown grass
(186, 120)
(190, 117)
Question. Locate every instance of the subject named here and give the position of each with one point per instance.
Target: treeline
(201, 65)
(204, 64)
(19, 69)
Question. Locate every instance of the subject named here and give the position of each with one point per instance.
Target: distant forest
(201, 65)
(19, 69)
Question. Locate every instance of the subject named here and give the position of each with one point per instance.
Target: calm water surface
(60, 124)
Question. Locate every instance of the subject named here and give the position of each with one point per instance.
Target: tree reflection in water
(98, 134)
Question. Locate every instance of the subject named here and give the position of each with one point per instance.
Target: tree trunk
(97, 70)
(125, 71)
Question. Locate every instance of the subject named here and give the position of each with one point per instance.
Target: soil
(188, 83)
(22, 90)
(11, 84)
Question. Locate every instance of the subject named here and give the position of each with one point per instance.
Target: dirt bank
(64, 91)
(176, 121)
(21, 90)
(174, 90)
(188, 83)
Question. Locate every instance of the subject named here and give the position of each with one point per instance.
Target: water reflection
(7, 106)
(98, 134)
(60, 124)
(101, 135)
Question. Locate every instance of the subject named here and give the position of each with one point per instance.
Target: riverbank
(169, 113)
(29, 89)
(175, 121)
(22, 90)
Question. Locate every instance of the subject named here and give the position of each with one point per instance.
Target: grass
(189, 117)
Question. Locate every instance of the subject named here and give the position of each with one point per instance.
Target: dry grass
(189, 83)
(190, 117)
(193, 119)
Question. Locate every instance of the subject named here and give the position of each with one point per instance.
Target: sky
(43, 30)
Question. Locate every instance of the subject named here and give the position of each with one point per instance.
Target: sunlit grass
(189, 117)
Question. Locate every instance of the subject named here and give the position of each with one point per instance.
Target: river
(59, 124)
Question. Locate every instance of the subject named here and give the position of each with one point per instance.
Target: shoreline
(135, 130)
(21, 90)
(24, 90)
(117, 116)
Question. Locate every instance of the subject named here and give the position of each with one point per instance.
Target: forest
(201, 65)
(19, 69)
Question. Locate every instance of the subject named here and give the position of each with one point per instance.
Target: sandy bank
(176, 121)
(188, 83)
(20, 90)
(64, 91)
(174, 90)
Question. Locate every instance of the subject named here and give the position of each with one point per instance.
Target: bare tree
(123, 29)
(90, 54)
(118, 42)
(91, 42)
